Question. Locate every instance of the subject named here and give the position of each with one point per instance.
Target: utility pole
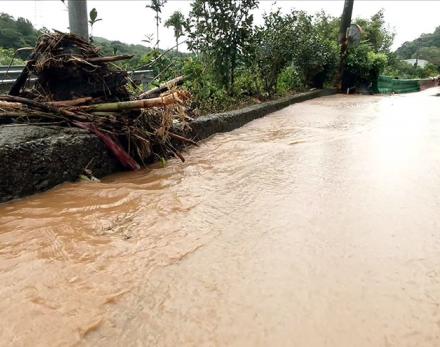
(343, 39)
(78, 18)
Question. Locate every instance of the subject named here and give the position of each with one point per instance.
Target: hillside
(427, 47)
(17, 33)
(118, 47)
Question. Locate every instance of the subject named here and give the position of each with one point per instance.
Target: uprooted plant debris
(76, 86)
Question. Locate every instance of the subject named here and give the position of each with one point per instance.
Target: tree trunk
(167, 100)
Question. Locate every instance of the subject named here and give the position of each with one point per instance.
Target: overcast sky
(129, 21)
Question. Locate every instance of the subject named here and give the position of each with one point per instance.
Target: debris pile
(76, 86)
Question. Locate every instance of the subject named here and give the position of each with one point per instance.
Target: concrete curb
(37, 158)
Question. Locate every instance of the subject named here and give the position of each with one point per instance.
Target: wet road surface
(318, 225)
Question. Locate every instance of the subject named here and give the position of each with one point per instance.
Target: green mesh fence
(388, 85)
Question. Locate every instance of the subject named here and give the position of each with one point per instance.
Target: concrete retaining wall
(36, 158)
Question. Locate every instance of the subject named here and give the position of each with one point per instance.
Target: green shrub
(364, 66)
(288, 81)
(222, 30)
(7, 57)
(208, 94)
(273, 47)
(295, 39)
(247, 84)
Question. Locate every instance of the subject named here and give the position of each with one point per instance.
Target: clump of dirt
(68, 67)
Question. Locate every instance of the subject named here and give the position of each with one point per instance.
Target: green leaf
(93, 15)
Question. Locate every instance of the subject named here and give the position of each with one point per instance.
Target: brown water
(318, 225)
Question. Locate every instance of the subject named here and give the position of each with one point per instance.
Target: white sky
(129, 21)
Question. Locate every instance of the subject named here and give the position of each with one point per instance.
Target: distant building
(421, 63)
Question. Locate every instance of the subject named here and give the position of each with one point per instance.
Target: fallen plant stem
(119, 152)
(163, 87)
(68, 103)
(26, 114)
(109, 59)
(167, 100)
(183, 139)
(40, 105)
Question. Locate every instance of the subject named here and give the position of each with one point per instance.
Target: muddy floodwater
(318, 225)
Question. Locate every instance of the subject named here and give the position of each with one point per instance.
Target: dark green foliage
(298, 41)
(16, 33)
(221, 31)
(379, 37)
(7, 57)
(165, 66)
(272, 47)
(368, 60)
(364, 66)
(21, 33)
(410, 49)
(431, 54)
(316, 55)
(208, 96)
(426, 47)
(117, 47)
(247, 83)
(93, 17)
(289, 80)
(401, 69)
(236, 62)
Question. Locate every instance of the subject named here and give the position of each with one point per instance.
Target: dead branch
(26, 114)
(7, 105)
(39, 105)
(109, 59)
(183, 139)
(174, 98)
(162, 88)
(69, 103)
(21, 80)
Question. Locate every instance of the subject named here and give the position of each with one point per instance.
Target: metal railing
(8, 75)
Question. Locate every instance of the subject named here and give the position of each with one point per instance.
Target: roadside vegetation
(232, 61)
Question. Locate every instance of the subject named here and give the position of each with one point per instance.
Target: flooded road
(318, 225)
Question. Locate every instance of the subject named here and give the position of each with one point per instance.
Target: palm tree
(156, 6)
(177, 22)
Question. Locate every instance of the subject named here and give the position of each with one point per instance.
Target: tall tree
(222, 31)
(377, 32)
(156, 6)
(177, 22)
